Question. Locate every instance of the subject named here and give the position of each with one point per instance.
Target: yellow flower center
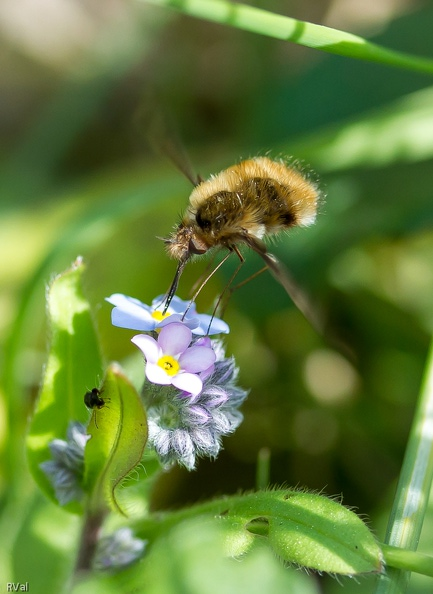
(169, 365)
(159, 316)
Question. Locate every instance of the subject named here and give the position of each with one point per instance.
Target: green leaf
(317, 532)
(413, 489)
(286, 28)
(307, 529)
(73, 365)
(393, 133)
(118, 433)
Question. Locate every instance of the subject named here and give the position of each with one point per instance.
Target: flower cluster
(191, 393)
(66, 467)
(65, 471)
(118, 550)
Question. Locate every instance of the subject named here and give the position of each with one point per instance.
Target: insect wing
(282, 275)
(162, 137)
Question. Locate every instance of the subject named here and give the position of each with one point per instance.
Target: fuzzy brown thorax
(257, 197)
(243, 204)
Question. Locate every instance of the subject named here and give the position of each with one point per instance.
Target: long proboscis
(173, 288)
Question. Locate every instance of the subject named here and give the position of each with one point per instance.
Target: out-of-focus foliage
(77, 177)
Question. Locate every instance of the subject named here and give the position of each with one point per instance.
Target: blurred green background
(78, 178)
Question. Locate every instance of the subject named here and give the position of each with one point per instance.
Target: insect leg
(202, 276)
(230, 290)
(209, 276)
(227, 287)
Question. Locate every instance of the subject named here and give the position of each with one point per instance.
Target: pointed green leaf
(73, 365)
(118, 433)
(263, 22)
(320, 533)
(310, 530)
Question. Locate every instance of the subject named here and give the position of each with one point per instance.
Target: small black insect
(92, 399)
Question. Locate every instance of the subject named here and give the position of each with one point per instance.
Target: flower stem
(413, 489)
(263, 468)
(286, 28)
(88, 542)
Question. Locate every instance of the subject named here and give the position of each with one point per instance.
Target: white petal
(156, 375)
(148, 346)
(188, 382)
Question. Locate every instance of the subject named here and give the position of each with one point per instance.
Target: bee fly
(244, 204)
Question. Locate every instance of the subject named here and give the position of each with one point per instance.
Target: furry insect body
(243, 204)
(252, 199)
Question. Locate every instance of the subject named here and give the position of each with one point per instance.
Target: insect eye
(202, 222)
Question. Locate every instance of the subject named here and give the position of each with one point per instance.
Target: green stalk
(263, 469)
(408, 560)
(413, 489)
(285, 28)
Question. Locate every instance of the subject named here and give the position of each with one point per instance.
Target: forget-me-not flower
(131, 313)
(171, 360)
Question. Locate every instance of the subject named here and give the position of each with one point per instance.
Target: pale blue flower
(65, 469)
(118, 550)
(135, 315)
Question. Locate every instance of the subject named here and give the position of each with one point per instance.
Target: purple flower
(181, 429)
(135, 315)
(171, 360)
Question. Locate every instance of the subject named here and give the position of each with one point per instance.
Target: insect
(244, 204)
(93, 400)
